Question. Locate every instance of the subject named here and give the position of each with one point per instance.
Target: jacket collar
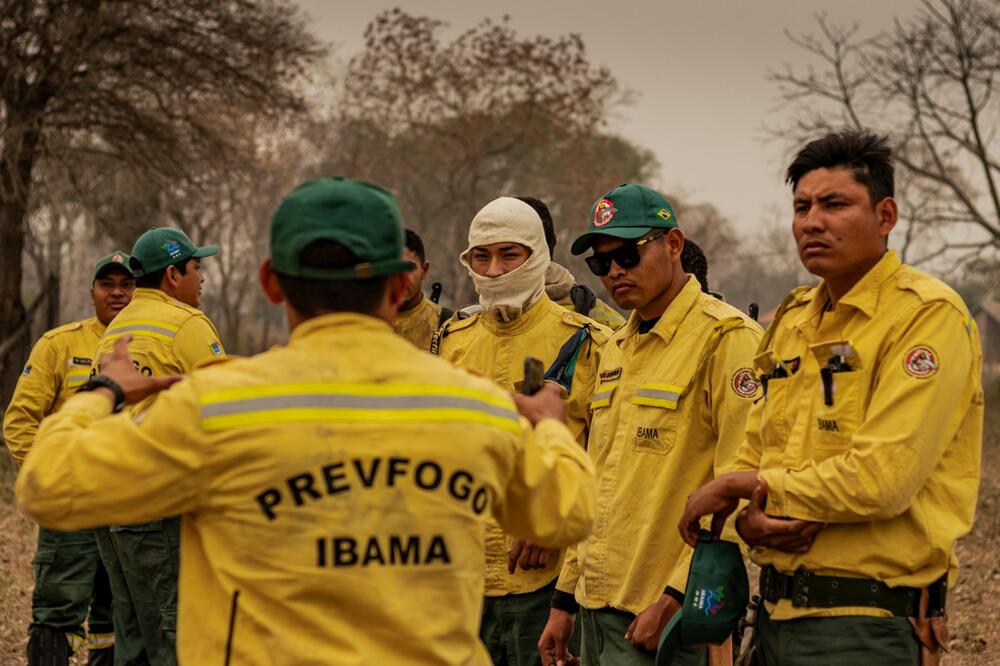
(863, 295)
(340, 322)
(671, 318)
(528, 319)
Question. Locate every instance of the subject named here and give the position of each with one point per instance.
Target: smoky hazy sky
(697, 68)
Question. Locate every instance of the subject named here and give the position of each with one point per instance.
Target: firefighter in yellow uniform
(507, 258)
(169, 336)
(324, 519)
(419, 317)
(69, 576)
(667, 414)
(561, 285)
(862, 460)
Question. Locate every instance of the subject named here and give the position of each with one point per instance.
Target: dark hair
(868, 156)
(693, 261)
(546, 216)
(415, 245)
(312, 297)
(153, 280)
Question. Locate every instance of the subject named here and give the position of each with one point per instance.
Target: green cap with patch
(629, 211)
(360, 216)
(715, 599)
(117, 259)
(164, 246)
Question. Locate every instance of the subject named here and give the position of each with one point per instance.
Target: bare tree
(450, 125)
(135, 82)
(931, 82)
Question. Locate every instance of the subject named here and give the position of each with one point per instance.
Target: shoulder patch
(26, 371)
(744, 383)
(920, 362)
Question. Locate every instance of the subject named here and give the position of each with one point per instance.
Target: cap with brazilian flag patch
(164, 246)
(715, 599)
(116, 259)
(629, 211)
(362, 217)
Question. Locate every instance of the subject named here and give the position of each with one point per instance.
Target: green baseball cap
(629, 211)
(716, 597)
(360, 216)
(117, 259)
(164, 246)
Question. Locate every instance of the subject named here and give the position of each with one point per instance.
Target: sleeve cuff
(675, 593)
(564, 601)
(777, 502)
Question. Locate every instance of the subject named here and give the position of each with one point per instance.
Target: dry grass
(974, 603)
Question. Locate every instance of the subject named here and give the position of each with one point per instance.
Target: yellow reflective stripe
(602, 397)
(76, 642)
(354, 403)
(100, 641)
(658, 395)
(146, 328)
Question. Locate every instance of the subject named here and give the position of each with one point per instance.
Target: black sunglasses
(626, 256)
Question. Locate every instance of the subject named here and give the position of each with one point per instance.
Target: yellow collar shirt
(887, 453)
(666, 417)
(418, 324)
(59, 364)
(496, 350)
(334, 494)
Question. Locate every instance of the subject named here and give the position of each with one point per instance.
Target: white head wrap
(509, 220)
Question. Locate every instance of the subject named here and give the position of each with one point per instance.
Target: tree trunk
(16, 162)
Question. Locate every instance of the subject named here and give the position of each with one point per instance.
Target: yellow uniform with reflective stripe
(419, 324)
(334, 494)
(892, 465)
(59, 364)
(496, 350)
(602, 313)
(667, 415)
(168, 337)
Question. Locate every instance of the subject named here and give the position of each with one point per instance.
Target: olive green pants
(604, 642)
(835, 641)
(512, 625)
(142, 562)
(71, 587)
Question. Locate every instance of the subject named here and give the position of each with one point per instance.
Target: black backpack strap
(583, 299)
(446, 314)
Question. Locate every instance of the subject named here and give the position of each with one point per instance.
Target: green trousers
(604, 642)
(142, 562)
(71, 587)
(835, 641)
(512, 625)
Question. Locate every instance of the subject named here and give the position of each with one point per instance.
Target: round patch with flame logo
(744, 383)
(604, 211)
(920, 362)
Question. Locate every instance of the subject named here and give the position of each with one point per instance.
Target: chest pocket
(838, 403)
(600, 414)
(655, 421)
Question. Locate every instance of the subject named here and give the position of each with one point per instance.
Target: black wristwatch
(99, 381)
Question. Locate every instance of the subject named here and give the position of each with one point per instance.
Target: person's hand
(645, 630)
(715, 498)
(118, 367)
(552, 646)
(528, 555)
(546, 404)
(760, 530)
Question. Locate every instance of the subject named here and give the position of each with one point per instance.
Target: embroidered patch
(118, 259)
(604, 212)
(744, 383)
(80, 360)
(663, 214)
(920, 362)
(26, 371)
(173, 248)
(216, 348)
(611, 375)
(710, 601)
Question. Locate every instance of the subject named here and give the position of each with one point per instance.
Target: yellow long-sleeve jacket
(496, 350)
(59, 364)
(328, 488)
(168, 337)
(419, 323)
(667, 415)
(888, 457)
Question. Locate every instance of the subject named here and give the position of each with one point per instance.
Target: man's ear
(888, 214)
(171, 276)
(399, 285)
(269, 283)
(426, 267)
(675, 243)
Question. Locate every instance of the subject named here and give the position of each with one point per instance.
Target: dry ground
(974, 603)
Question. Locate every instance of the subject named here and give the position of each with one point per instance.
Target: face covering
(509, 220)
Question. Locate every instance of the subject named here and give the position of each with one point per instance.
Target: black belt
(808, 590)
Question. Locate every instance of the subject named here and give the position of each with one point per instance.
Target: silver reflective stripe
(603, 395)
(658, 394)
(142, 327)
(334, 401)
